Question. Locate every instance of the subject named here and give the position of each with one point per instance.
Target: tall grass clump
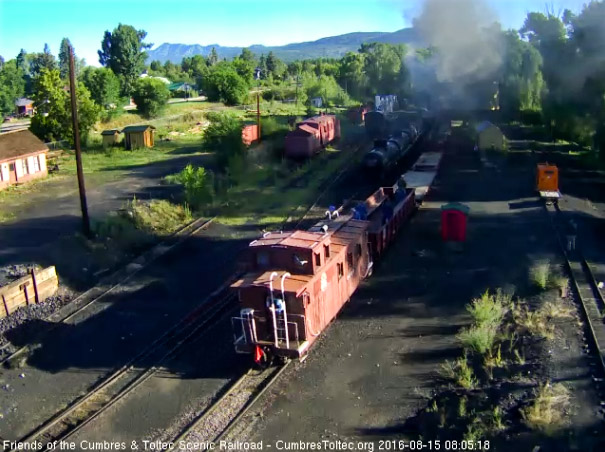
(489, 309)
(198, 184)
(539, 274)
(547, 411)
(459, 372)
(478, 338)
(158, 217)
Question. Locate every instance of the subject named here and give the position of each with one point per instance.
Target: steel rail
(188, 328)
(590, 327)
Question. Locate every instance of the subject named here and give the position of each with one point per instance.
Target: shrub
(478, 338)
(198, 184)
(488, 309)
(158, 216)
(459, 372)
(224, 84)
(539, 273)
(151, 96)
(546, 412)
(224, 137)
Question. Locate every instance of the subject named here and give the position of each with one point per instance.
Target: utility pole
(74, 119)
(258, 114)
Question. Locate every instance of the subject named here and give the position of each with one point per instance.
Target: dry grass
(556, 310)
(547, 411)
(535, 323)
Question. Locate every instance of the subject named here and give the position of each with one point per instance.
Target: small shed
(111, 137)
(24, 106)
(453, 222)
(22, 157)
(138, 136)
(489, 136)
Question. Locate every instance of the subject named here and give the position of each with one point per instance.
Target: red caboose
(296, 284)
(311, 135)
(249, 133)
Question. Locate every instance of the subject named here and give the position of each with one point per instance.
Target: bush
(224, 137)
(488, 309)
(151, 96)
(460, 372)
(271, 127)
(158, 216)
(479, 338)
(198, 184)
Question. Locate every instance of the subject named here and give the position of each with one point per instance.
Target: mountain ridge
(328, 47)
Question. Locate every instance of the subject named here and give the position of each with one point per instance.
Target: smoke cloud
(469, 47)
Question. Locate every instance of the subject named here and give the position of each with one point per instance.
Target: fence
(33, 288)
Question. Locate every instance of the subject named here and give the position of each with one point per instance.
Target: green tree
(224, 84)
(52, 120)
(64, 58)
(213, 57)
(245, 69)
(156, 66)
(275, 67)
(151, 96)
(123, 51)
(12, 86)
(104, 87)
(247, 55)
(44, 60)
(352, 76)
(385, 68)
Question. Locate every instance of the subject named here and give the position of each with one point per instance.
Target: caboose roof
(295, 239)
(292, 283)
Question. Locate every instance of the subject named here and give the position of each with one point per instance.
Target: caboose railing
(248, 330)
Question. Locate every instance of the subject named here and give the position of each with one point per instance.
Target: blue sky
(29, 24)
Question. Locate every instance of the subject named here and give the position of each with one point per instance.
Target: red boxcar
(249, 134)
(311, 135)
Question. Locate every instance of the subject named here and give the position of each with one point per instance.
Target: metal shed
(489, 136)
(138, 136)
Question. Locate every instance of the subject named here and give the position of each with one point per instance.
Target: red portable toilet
(453, 222)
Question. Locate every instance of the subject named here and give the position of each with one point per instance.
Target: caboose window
(262, 259)
(341, 270)
(327, 251)
(350, 260)
(358, 250)
(317, 259)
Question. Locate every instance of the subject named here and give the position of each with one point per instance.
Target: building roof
(179, 86)
(484, 126)
(295, 239)
(110, 132)
(19, 143)
(142, 128)
(23, 102)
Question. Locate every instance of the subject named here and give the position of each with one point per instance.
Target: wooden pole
(35, 286)
(258, 115)
(74, 119)
(5, 306)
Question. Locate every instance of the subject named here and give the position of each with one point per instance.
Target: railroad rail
(588, 295)
(113, 282)
(131, 375)
(230, 407)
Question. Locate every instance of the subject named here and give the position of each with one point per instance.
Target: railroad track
(134, 373)
(587, 294)
(220, 421)
(101, 290)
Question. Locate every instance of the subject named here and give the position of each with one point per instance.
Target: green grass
(459, 372)
(547, 412)
(117, 158)
(478, 338)
(539, 274)
(159, 217)
(265, 196)
(489, 309)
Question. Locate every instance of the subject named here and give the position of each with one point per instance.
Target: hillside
(330, 47)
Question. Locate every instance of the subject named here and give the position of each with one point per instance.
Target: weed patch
(539, 274)
(546, 413)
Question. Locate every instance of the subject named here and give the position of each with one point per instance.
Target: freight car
(296, 282)
(311, 136)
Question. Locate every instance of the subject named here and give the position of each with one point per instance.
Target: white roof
(428, 161)
(420, 181)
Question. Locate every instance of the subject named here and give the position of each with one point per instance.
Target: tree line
(552, 72)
